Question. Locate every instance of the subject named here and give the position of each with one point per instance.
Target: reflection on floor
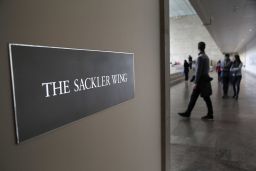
(226, 144)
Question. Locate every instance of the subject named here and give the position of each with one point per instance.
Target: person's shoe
(234, 96)
(207, 117)
(184, 114)
(192, 79)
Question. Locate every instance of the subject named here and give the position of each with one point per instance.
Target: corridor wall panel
(249, 53)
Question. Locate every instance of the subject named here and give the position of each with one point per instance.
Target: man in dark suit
(202, 85)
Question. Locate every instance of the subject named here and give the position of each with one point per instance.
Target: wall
(185, 33)
(248, 55)
(125, 137)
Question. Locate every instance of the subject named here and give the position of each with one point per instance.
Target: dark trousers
(186, 75)
(219, 76)
(225, 81)
(236, 84)
(194, 96)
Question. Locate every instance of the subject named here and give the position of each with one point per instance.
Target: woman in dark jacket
(186, 69)
(225, 75)
(236, 73)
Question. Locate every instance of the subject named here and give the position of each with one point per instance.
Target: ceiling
(232, 23)
(181, 8)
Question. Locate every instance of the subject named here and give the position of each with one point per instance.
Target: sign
(54, 86)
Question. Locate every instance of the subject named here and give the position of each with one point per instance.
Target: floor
(226, 144)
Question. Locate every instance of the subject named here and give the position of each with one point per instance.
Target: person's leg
(225, 86)
(186, 76)
(193, 98)
(239, 78)
(193, 78)
(209, 105)
(234, 84)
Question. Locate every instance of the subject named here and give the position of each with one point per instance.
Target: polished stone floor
(226, 144)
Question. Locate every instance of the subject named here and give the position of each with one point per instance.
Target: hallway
(226, 144)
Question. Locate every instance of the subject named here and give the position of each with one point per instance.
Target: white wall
(249, 53)
(185, 33)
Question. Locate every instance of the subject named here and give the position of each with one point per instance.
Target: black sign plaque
(53, 86)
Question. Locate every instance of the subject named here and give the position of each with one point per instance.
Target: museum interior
(127, 85)
(227, 142)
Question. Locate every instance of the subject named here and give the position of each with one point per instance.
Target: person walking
(236, 72)
(190, 61)
(225, 74)
(186, 69)
(218, 70)
(202, 85)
